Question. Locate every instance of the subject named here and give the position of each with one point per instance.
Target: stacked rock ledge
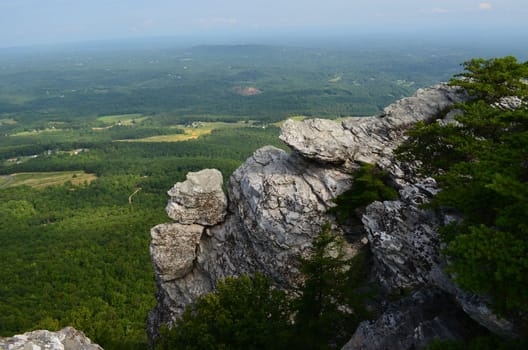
(194, 204)
(278, 202)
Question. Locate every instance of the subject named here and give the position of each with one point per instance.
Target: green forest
(91, 139)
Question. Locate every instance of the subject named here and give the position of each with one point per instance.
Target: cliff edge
(276, 204)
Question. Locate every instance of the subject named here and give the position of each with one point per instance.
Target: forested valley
(91, 139)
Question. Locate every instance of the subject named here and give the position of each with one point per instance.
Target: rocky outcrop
(403, 238)
(199, 199)
(194, 204)
(366, 139)
(413, 322)
(277, 205)
(65, 339)
(173, 249)
(278, 202)
(281, 201)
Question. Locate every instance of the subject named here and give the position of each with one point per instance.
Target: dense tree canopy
(244, 313)
(77, 255)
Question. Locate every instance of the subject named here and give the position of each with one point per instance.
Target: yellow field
(41, 180)
(190, 133)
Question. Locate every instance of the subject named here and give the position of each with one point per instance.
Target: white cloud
(485, 6)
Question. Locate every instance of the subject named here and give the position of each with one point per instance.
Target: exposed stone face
(412, 323)
(277, 204)
(173, 249)
(65, 339)
(195, 204)
(403, 238)
(319, 139)
(281, 200)
(366, 139)
(200, 199)
(404, 241)
(475, 306)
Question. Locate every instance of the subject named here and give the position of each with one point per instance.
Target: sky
(29, 22)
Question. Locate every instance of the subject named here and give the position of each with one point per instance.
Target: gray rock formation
(412, 323)
(475, 306)
(281, 200)
(173, 249)
(278, 202)
(199, 199)
(403, 238)
(366, 139)
(65, 339)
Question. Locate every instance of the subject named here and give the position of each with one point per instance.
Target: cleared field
(36, 132)
(189, 134)
(335, 79)
(7, 121)
(124, 119)
(294, 117)
(193, 132)
(41, 180)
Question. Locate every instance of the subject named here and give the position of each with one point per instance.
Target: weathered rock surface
(403, 237)
(199, 199)
(412, 323)
(475, 306)
(405, 245)
(277, 204)
(173, 249)
(319, 139)
(366, 139)
(65, 339)
(281, 200)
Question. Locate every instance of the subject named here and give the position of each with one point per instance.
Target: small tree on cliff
(245, 313)
(249, 313)
(331, 302)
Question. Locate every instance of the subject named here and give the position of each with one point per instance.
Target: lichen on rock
(199, 199)
(66, 339)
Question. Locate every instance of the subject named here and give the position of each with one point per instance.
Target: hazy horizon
(50, 22)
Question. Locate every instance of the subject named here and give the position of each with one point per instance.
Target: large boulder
(366, 139)
(277, 205)
(66, 339)
(173, 249)
(199, 199)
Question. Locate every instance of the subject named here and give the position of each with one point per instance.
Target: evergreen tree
(245, 313)
(481, 164)
(331, 304)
